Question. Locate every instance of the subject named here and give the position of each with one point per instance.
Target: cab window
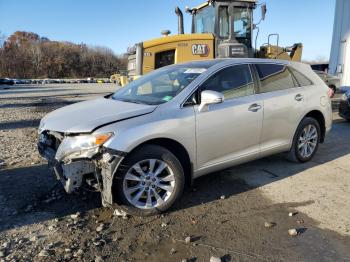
(242, 20)
(232, 82)
(205, 20)
(224, 22)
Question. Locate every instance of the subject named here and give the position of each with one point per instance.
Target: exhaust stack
(180, 16)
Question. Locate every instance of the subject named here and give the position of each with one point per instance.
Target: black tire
(149, 152)
(294, 155)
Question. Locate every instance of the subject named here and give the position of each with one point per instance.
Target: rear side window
(274, 77)
(232, 82)
(301, 79)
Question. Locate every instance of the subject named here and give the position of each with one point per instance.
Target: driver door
(229, 132)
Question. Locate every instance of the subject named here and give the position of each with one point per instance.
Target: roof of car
(212, 62)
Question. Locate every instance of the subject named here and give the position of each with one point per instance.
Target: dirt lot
(224, 214)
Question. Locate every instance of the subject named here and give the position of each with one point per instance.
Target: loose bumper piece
(72, 173)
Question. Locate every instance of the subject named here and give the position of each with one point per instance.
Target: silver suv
(142, 144)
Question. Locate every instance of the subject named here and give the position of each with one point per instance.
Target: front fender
(136, 131)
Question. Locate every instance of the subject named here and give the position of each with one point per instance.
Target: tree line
(28, 55)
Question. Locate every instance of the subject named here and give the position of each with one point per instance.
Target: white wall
(339, 63)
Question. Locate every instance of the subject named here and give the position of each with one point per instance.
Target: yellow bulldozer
(220, 29)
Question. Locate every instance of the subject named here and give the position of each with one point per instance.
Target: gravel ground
(239, 214)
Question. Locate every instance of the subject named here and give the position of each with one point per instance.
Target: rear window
(300, 78)
(274, 77)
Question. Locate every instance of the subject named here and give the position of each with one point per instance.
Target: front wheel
(305, 141)
(150, 181)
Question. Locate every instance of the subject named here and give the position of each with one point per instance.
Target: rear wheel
(305, 141)
(151, 180)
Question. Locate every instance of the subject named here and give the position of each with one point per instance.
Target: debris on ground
(33, 239)
(293, 232)
(79, 253)
(100, 227)
(172, 251)
(223, 197)
(120, 213)
(6, 244)
(188, 239)
(75, 216)
(164, 224)
(269, 224)
(44, 253)
(215, 259)
(292, 214)
(98, 259)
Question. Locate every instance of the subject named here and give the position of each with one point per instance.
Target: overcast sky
(118, 24)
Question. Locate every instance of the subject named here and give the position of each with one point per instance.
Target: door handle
(299, 97)
(254, 107)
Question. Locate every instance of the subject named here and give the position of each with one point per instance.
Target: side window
(232, 82)
(274, 77)
(301, 79)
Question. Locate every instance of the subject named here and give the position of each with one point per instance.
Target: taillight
(330, 92)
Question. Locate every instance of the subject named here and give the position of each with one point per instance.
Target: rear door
(284, 105)
(229, 131)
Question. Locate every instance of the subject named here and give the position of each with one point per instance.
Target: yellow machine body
(292, 53)
(229, 24)
(187, 47)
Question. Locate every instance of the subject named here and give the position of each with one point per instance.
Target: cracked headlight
(81, 146)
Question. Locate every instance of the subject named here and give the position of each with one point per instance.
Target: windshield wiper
(130, 101)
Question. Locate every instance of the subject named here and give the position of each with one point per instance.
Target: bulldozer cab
(231, 22)
(220, 29)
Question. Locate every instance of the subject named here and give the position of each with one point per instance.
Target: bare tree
(27, 55)
(36, 57)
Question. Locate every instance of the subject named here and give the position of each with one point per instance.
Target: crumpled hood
(85, 116)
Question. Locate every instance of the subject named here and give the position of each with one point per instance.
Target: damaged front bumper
(95, 172)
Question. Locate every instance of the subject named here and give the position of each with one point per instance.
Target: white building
(339, 63)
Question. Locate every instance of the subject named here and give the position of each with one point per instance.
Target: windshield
(205, 20)
(159, 86)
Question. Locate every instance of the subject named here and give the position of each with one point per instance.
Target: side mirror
(210, 97)
(263, 11)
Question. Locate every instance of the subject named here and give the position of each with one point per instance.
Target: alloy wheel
(307, 141)
(149, 183)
